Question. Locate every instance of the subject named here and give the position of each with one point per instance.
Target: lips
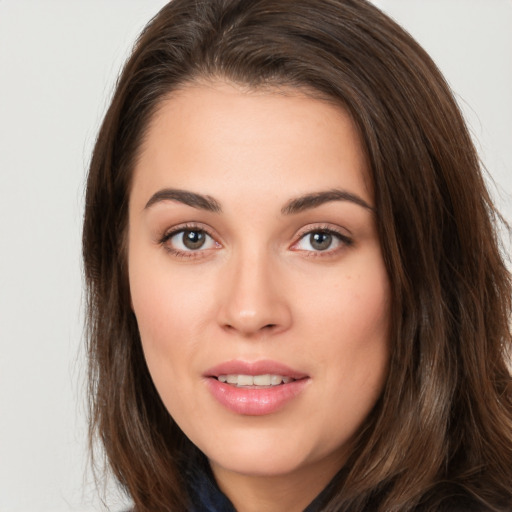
(236, 367)
(264, 380)
(255, 388)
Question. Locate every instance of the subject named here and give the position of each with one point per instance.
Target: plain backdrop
(58, 63)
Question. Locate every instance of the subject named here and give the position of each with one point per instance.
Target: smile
(265, 381)
(255, 388)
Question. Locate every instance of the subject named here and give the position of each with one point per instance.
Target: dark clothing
(207, 497)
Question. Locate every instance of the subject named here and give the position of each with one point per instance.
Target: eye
(322, 240)
(189, 240)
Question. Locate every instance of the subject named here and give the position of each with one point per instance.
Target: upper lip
(263, 367)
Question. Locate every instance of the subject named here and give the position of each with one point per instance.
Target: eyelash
(181, 229)
(344, 241)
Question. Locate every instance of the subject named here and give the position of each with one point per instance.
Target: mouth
(255, 381)
(255, 388)
(264, 373)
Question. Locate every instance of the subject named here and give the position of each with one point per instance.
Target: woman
(296, 295)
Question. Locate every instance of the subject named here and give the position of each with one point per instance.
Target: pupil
(193, 239)
(320, 241)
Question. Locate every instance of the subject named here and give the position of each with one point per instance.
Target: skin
(258, 288)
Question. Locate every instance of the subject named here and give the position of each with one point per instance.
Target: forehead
(207, 134)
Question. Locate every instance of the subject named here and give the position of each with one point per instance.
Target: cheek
(354, 361)
(165, 301)
(352, 309)
(154, 303)
(162, 321)
(364, 328)
(173, 309)
(353, 317)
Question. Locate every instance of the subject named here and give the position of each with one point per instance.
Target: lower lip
(255, 402)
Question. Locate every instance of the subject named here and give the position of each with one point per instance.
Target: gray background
(58, 63)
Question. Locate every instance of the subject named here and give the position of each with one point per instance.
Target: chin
(267, 452)
(256, 463)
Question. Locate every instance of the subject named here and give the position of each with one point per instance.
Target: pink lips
(253, 401)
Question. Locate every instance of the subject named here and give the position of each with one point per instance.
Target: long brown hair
(441, 433)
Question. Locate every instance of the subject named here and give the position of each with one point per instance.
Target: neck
(292, 492)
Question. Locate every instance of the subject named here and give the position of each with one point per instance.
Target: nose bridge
(253, 299)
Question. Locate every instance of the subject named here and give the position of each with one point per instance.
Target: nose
(254, 299)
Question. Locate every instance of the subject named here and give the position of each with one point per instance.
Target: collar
(206, 496)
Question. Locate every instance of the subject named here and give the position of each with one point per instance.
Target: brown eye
(320, 241)
(189, 240)
(193, 239)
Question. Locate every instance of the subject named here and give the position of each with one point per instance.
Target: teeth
(245, 380)
(262, 380)
(275, 380)
(256, 380)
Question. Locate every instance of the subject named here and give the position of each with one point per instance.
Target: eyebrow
(316, 199)
(297, 205)
(183, 196)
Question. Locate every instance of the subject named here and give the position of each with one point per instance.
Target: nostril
(267, 327)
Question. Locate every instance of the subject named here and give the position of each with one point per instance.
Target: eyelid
(344, 239)
(323, 226)
(187, 226)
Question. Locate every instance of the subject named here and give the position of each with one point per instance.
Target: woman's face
(257, 277)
